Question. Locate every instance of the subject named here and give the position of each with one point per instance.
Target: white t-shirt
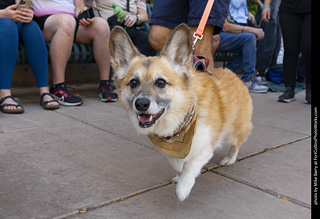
(106, 10)
(45, 7)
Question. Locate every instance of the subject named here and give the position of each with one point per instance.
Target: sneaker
(253, 86)
(107, 93)
(65, 97)
(287, 96)
(260, 77)
(308, 95)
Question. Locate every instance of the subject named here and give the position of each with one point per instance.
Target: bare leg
(159, 36)
(59, 31)
(203, 47)
(97, 33)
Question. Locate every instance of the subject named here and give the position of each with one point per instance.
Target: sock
(104, 82)
(56, 87)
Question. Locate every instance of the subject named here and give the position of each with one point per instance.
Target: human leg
(158, 36)
(59, 31)
(140, 40)
(98, 33)
(9, 42)
(291, 30)
(306, 53)
(37, 56)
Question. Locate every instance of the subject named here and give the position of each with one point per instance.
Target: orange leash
(198, 35)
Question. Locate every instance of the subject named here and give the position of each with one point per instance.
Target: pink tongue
(144, 118)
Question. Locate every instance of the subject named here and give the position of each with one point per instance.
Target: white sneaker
(255, 87)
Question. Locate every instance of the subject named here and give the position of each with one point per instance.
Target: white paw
(183, 188)
(227, 161)
(175, 179)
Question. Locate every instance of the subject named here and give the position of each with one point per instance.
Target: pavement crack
(271, 148)
(111, 201)
(271, 192)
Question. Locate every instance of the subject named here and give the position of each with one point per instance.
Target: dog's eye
(133, 83)
(160, 83)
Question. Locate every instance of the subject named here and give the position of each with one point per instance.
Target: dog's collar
(179, 144)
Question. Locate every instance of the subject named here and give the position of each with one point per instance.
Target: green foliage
(252, 8)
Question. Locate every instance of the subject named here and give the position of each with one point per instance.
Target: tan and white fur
(158, 92)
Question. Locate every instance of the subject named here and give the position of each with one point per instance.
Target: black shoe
(65, 97)
(308, 95)
(287, 96)
(107, 93)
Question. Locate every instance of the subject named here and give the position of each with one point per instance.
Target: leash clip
(196, 38)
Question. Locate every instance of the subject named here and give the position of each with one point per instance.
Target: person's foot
(9, 104)
(260, 77)
(287, 96)
(106, 92)
(308, 95)
(65, 97)
(48, 102)
(255, 87)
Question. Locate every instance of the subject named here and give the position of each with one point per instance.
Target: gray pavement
(89, 162)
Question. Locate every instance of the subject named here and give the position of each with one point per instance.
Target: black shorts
(170, 13)
(41, 20)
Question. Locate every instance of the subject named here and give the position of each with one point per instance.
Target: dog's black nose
(142, 104)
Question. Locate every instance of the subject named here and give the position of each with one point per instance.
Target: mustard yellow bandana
(178, 145)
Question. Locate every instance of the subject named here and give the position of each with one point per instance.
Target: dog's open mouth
(148, 120)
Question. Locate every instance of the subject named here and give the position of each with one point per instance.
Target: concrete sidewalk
(89, 162)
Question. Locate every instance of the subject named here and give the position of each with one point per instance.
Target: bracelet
(264, 6)
(137, 18)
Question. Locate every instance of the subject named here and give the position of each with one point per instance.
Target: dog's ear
(122, 51)
(179, 46)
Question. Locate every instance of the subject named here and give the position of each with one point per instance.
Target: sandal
(11, 111)
(45, 105)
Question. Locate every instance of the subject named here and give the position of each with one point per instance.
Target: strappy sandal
(45, 105)
(11, 111)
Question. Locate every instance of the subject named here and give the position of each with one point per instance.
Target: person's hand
(251, 18)
(25, 15)
(85, 22)
(266, 14)
(11, 13)
(79, 10)
(130, 20)
(259, 33)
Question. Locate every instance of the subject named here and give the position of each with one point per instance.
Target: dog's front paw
(175, 179)
(227, 161)
(183, 188)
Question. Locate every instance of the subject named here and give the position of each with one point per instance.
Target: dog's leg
(231, 157)
(191, 169)
(177, 165)
(237, 140)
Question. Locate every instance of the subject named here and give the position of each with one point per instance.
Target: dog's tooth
(150, 119)
(138, 117)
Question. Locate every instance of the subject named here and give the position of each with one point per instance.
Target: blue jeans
(245, 45)
(36, 51)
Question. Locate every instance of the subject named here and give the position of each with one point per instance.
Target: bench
(83, 53)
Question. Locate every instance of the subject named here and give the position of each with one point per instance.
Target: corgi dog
(186, 114)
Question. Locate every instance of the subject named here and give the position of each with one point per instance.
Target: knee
(157, 37)
(65, 23)
(8, 28)
(100, 27)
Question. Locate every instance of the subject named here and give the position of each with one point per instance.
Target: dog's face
(155, 91)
